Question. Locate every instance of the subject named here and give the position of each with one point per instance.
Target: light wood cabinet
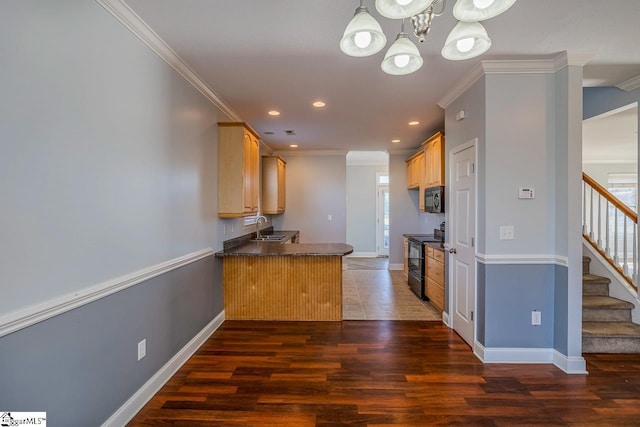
(414, 170)
(434, 161)
(435, 277)
(238, 170)
(274, 172)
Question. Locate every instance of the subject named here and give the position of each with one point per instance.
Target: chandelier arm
(444, 6)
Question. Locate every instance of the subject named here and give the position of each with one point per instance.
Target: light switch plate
(506, 232)
(536, 318)
(142, 349)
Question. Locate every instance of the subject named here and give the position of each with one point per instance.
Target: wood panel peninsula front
(279, 281)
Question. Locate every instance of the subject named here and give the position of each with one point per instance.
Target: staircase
(606, 321)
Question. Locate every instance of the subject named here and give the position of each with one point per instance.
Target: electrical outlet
(536, 318)
(225, 230)
(506, 232)
(142, 349)
(329, 217)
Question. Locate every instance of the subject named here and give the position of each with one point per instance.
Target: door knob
(453, 251)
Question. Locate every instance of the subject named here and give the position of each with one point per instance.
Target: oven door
(416, 268)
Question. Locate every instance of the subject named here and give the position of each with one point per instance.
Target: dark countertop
(439, 246)
(287, 249)
(244, 247)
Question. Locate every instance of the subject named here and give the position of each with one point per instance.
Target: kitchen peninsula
(266, 280)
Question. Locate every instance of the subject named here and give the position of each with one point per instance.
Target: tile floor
(382, 295)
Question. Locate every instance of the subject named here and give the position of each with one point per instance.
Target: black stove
(416, 259)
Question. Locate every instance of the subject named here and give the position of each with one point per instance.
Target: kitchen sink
(270, 238)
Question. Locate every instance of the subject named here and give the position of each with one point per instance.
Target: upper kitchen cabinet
(434, 160)
(274, 172)
(238, 170)
(415, 165)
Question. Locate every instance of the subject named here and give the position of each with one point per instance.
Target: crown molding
(403, 151)
(123, 13)
(629, 85)
(515, 66)
(311, 153)
(461, 87)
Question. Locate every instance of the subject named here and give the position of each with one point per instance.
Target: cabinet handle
(453, 251)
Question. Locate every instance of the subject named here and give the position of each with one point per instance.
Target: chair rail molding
(36, 313)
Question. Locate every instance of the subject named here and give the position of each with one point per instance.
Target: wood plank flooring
(381, 373)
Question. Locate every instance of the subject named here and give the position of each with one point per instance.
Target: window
(625, 187)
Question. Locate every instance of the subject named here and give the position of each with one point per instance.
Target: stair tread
(600, 301)
(593, 278)
(610, 329)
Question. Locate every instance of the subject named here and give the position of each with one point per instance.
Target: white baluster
(625, 264)
(607, 249)
(615, 236)
(599, 242)
(591, 215)
(634, 275)
(584, 208)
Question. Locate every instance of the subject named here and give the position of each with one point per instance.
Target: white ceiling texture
(260, 55)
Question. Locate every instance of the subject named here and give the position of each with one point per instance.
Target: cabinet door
(251, 167)
(282, 178)
(437, 161)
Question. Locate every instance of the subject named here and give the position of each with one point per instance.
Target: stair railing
(611, 227)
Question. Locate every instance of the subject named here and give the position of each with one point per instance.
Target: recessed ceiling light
(395, 141)
(319, 104)
(414, 123)
(293, 145)
(274, 113)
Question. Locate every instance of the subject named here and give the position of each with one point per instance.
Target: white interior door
(462, 253)
(382, 241)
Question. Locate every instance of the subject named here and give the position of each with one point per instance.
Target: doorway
(382, 215)
(368, 203)
(462, 257)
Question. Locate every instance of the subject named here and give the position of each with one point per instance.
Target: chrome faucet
(258, 218)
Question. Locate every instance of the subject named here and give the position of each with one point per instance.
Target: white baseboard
(140, 398)
(362, 255)
(570, 365)
(445, 319)
(396, 267)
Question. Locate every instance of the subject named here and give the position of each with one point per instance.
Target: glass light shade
(473, 10)
(395, 9)
(459, 46)
(402, 57)
(356, 42)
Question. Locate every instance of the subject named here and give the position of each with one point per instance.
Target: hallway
(371, 292)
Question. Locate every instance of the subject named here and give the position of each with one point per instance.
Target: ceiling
(261, 55)
(611, 137)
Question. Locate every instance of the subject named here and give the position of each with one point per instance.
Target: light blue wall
(599, 100)
(316, 188)
(108, 166)
(511, 293)
(560, 312)
(81, 366)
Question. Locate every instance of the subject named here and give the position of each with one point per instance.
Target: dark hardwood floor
(381, 373)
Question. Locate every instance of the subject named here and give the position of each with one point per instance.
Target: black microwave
(434, 199)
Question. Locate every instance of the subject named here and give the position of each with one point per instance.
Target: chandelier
(468, 39)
